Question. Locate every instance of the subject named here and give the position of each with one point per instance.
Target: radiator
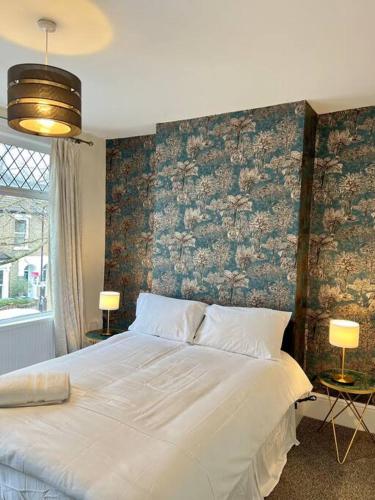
(25, 343)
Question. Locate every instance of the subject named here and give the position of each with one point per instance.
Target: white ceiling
(147, 61)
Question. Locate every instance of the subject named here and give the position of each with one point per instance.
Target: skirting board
(319, 408)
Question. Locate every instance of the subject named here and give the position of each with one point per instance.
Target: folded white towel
(33, 389)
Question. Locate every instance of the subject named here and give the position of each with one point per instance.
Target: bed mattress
(152, 418)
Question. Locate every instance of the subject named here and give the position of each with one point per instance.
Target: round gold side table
(363, 385)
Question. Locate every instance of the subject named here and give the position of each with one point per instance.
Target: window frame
(41, 145)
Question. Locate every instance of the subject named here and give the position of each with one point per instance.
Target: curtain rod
(74, 139)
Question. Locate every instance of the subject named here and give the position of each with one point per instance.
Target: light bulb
(45, 126)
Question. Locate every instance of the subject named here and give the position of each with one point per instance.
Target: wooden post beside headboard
(307, 171)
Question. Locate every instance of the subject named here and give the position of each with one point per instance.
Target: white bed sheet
(153, 418)
(257, 482)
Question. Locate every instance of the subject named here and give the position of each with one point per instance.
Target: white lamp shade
(109, 301)
(343, 333)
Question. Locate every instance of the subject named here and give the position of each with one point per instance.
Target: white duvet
(151, 418)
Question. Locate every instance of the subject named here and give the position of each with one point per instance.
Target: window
(27, 272)
(24, 176)
(20, 232)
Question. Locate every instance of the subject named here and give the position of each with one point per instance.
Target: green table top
(99, 334)
(364, 383)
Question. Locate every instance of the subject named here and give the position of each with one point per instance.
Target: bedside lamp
(109, 301)
(345, 334)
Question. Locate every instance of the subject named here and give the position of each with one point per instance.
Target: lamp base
(109, 333)
(343, 379)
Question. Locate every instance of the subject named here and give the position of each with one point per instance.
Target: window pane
(20, 232)
(23, 256)
(23, 168)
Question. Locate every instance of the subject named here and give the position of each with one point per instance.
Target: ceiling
(142, 62)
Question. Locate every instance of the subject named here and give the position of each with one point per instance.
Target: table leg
(330, 410)
(359, 416)
(346, 406)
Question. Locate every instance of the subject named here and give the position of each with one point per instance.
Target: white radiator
(25, 343)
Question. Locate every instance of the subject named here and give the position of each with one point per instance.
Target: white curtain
(65, 246)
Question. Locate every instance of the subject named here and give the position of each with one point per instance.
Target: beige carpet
(312, 472)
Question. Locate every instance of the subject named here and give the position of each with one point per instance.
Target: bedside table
(95, 336)
(364, 385)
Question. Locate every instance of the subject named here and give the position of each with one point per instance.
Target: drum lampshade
(44, 100)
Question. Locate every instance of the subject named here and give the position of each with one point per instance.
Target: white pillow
(252, 331)
(174, 319)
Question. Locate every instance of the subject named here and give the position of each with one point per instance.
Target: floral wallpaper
(208, 209)
(342, 241)
(226, 207)
(129, 215)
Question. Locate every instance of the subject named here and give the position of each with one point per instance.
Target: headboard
(288, 344)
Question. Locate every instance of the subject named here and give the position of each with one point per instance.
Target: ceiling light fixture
(44, 100)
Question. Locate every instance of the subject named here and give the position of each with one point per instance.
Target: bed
(151, 418)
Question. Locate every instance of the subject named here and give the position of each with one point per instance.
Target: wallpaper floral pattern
(221, 196)
(129, 216)
(226, 207)
(342, 241)
(207, 209)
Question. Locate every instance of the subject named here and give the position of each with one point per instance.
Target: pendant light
(44, 100)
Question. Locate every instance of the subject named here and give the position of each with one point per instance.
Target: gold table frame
(345, 392)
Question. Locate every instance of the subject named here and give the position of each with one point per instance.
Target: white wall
(92, 181)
